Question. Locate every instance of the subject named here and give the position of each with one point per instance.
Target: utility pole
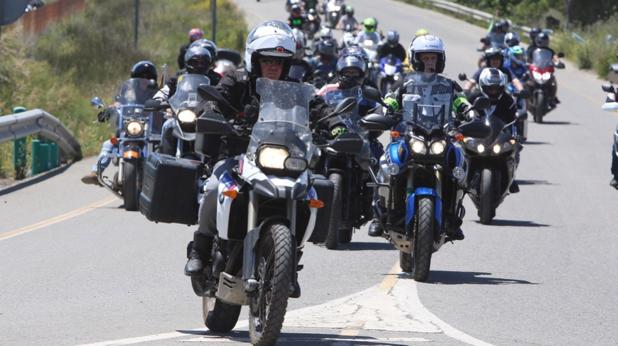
(136, 24)
(213, 10)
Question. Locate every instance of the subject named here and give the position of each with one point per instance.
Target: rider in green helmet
(370, 25)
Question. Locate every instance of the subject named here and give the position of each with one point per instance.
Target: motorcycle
(611, 105)
(138, 134)
(266, 211)
(413, 180)
(543, 83)
(333, 13)
(348, 169)
(492, 162)
(391, 71)
(349, 36)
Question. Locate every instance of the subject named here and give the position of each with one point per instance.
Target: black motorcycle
(492, 162)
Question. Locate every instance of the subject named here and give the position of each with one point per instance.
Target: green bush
(90, 53)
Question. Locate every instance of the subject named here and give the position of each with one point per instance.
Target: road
(77, 269)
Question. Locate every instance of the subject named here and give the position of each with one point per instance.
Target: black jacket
(385, 49)
(506, 107)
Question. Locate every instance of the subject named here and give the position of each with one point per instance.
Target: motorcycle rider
(348, 20)
(610, 100)
(325, 63)
(392, 46)
(428, 56)
(269, 51)
(532, 46)
(494, 58)
(511, 39)
(370, 25)
(313, 22)
(296, 20)
(300, 69)
(194, 35)
(143, 69)
(496, 33)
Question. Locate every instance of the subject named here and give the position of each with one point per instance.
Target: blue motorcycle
(391, 71)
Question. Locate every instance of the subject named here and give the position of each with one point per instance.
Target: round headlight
(437, 148)
(134, 128)
(418, 147)
(187, 116)
(480, 148)
(272, 157)
(496, 149)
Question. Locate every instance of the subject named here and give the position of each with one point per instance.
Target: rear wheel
(423, 244)
(219, 317)
(275, 266)
(332, 238)
(130, 185)
(487, 211)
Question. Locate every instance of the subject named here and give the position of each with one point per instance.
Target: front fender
(411, 204)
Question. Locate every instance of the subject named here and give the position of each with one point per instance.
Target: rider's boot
(90, 178)
(614, 183)
(375, 228)
(198, 253)
(453, 229)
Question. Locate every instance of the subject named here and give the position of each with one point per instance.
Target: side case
(170, 189)
(324, 188)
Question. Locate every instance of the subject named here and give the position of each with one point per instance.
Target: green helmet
(370, 24)
(421, 32)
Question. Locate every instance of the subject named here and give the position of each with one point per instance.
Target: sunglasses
(271, 61)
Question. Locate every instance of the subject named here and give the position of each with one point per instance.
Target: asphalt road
(75, 268)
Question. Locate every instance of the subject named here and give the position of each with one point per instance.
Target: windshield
(351, 118)
(186, 95)
(496, 39)
(427, 101)
(135, 91)
(284, 114)
(542, 57)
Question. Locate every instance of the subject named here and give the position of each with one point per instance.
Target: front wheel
(130, 185)
(219, 317)
(332, 238)
(275, 266)
(487, 210)
(419, 262)
(540, 108)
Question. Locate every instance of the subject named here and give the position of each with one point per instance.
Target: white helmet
(427, 44)
(271, 38)
(325, 33)
(492, 82)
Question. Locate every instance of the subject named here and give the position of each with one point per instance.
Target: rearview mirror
(377, 122)
(373, 94)
(210, 93)
(462, 77)
(345, 105)
(213, 124)
(347, 143)
(481, 103)
(97, 102)
(475, 129)
(153, 105)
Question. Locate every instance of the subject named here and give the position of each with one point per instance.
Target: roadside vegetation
(91, 53)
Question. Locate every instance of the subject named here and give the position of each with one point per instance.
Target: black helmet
(198, 60)
(502, 25)
(532, 34)
(208, 44)
(349, 10)
(328, 48)
(493, 53)
(144, 69)
(392, 38)
(542, 40)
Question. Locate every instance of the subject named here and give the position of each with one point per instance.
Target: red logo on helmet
(280, 49)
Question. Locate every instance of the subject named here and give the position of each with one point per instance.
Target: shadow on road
(516, 223)
(559, 123)
(533, 182)
(366, 246)
(306, 339)
(475, 278)
(535, 143)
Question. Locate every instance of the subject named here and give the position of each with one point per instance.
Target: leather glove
(105, 114)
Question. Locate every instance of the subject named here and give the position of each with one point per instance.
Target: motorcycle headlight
(134, 128)
(187, 116)
(546, 76)
(272, 157)
(537, 76)
(295, 164)
(480, 148)
(496, 149)
(418, 146)
(437, 147)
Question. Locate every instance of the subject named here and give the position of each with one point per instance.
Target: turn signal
(230, 193)
(316, 203)
(114, 140)
(459, 137)
(130, 154)
(395, 134)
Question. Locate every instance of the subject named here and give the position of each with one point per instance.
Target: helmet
(532, 33)
(312, 12)
(295, 9)
(493, 83)
(326, 33)
(299, 37)
(502, 25)
(392, 38)
(195, 34)
(511, 39)
(516, 54)
(421, 32)
(327, 47)
(349, 10)
(493, 53)
(144, 69)
(208, 44)
(542, 40)
(351, 70)
(370, 24)
(427, 44)
(198, 60)
(271, 38)
(355, 50)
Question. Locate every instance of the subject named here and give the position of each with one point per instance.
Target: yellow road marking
(56, 219)
(391, 279)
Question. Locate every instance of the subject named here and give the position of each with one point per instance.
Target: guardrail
(21, 124)
(476, 14)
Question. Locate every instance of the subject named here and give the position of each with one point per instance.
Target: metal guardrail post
(19, 152)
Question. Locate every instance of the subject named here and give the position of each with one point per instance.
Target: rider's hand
(104, 115)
